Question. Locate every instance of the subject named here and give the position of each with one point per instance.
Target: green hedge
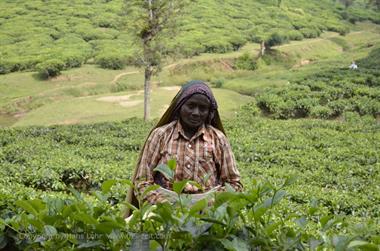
(328, 94)
(50, 68)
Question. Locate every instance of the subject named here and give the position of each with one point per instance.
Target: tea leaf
(50, 230)
(198, 206)
(106, 186)
(165, 170)
(179, 186)
(172, 163)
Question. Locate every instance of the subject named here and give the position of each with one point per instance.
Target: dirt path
(117, 77)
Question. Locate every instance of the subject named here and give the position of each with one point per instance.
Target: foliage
(50, 68)
(218, 83)
(153, 23)
(234, 221)
(111, 61)
(328, 94)
(246, 62)
(276, 39)
(31, 31)
(335, 162)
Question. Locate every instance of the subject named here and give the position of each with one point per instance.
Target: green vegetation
(310, 183)
(32, 32)
(24, 95)
(117, 107)
(328, 94)
(335, 162)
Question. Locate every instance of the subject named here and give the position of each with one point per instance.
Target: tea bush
(328, 94)
(335, 163)
(246, 62)
(50, 68)
(235, 221)
(31, 29)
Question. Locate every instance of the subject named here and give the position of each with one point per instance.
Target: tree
(153, 21)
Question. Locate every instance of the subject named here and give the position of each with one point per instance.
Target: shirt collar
(202, 131)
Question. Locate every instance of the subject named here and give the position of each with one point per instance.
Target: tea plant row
(328, 94)
(50, 36)
(336, 165)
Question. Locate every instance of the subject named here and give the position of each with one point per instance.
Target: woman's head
(195, 111)
(195, 91)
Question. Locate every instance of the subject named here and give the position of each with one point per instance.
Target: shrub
(295, 35)
(284, 110)
(218, 83)
(50, 68)
(249, 109)
(5, 67)
(342, 30)
(321, 112)
(106, 20)
(338, 106)
(365, 105)
(237, 42)
(111, 61)
(121, 86)
(25, 63)
(276, 39)
(310, 33)
(303, 106)
(217, 45)
(72, 60)
(245, 62)
(350, 116)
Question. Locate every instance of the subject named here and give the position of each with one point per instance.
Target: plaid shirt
(205, 158)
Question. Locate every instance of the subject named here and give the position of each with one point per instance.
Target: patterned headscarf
(191, 88)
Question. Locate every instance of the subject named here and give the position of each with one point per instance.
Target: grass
(92, 109)
(62, 98)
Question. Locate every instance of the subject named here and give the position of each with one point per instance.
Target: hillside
(25, 99)
(80, 31)
(303, 126)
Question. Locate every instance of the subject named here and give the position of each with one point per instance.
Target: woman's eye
(203, 109)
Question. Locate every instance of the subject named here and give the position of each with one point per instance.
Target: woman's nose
(195, 111)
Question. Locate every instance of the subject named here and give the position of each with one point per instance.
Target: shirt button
(190, 145)
(188, 166)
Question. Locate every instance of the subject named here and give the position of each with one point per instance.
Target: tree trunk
(147, 84)
(262, 48)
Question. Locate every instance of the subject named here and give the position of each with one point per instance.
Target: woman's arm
(227, 164)
(149, 160)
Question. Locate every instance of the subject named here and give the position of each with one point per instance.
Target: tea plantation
(328, 94)
(334, 199)
(307, 147)
(40, 35)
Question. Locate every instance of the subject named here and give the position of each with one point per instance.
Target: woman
(190, 131)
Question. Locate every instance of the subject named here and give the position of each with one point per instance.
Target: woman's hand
(190, 189)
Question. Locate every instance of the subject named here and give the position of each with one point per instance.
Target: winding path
(117, 77)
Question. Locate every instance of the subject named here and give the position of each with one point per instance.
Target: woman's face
(194, 111)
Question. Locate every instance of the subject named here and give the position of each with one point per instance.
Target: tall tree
(153, 21)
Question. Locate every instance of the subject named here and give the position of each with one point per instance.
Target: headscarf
(172, 113)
